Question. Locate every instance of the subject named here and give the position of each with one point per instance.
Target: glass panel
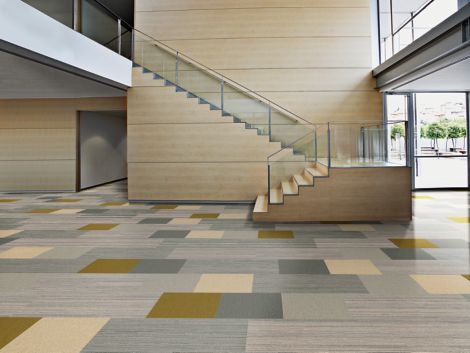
(152, 57)
(199, 82)
(356, 145)
(441, 172)
(441, 140)
(98, 25)
(60, 10)
(286, 129)
(246, 108)
(290, 163)
(397, 143)
(397, 107)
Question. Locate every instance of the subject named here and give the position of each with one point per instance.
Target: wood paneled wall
(312, 57)
(38, 141)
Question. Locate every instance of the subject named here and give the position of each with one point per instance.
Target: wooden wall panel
(185, 5)
(38, 141)
(199, 143)
(322, 107)
(260, 23)
(305, 79)
(49, 175)
(286, 53)
(37, 144)
(197, 181)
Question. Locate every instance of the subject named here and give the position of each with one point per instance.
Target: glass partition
(287, 168)
(60, 10)
(105, 28)
(368, 144)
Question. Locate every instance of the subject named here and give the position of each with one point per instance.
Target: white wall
(103, 148)
(26, 27)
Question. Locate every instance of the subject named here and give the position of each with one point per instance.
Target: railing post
(142, 53)
(269, 183)
(269, 122)
(316, 145)
(363, 138)
(329, 146)
(222, 88)
(77, 16)
(177, 74)
(119, 36)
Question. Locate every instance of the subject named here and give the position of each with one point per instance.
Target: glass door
(397, 116)
(440, 141)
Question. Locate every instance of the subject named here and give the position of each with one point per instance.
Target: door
(440, 141)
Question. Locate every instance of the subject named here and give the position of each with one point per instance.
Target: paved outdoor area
(87, 272)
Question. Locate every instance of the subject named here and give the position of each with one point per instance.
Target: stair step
(276, 196)
(316, 172)
(261, 205)
(289, 188)
(302, 180)
(322, 168)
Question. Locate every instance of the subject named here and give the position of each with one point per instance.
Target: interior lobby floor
(87, 272)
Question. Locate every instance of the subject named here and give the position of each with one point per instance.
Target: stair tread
(276, 195)
(301, 180)
(316, 172)
(261, 205)
(289, 188)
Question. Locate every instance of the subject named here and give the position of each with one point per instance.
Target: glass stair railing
(220, 92)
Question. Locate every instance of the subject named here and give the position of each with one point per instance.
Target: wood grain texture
(37, 175)
(260, 23)
(197, 143)
(38, 141)
(305, 79)
(197, 181)
(349, 194)
(172, 5)
(37, 144)
(292, 52)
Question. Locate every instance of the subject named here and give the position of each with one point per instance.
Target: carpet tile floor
(88, 272)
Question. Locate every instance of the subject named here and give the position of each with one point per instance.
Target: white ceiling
(23, 78)
(452, 78)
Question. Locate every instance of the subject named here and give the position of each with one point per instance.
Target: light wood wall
(181, 150)
(38, 141)
(312, 57)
